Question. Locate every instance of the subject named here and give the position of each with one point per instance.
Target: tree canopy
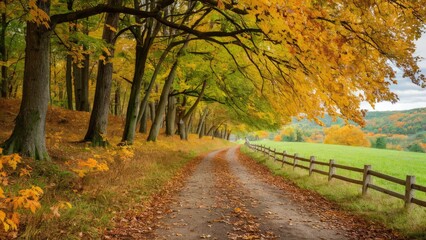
(259, 62)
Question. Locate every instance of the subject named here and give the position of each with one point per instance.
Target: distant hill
(408, 122)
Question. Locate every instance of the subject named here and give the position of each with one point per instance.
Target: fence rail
(366, 173)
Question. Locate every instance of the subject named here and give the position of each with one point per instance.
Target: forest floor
(227, 195)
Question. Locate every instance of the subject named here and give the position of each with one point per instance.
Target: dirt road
(227, 195)
(223, 200)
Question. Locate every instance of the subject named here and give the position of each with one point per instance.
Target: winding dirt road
(223, 200)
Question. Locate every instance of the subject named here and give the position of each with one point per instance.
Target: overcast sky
(410, 95)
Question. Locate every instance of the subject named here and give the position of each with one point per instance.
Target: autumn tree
(295, 58)
(347, 135)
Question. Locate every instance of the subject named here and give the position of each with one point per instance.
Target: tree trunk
(152, 111)
(134, 100)
(187, 115)
(68, 80)
(5, 84)
(202, 130)
(155, 128)
(182, 130)
(171, 116)
(228, 136)
(202, 120)
(97, 130)
(142, 50)
(68, 73)
(28, 136)
(117, 101)
(144, 120)
(144, 103)
(85, 74)
(76, 72)
(189, 126)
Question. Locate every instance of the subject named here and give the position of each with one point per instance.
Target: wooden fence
(367, 174)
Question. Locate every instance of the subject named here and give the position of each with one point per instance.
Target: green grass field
(376, 206)
(390, 162)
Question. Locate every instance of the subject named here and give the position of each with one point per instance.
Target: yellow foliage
(346, 135)
(37, 15)
(26, 198)
(83, 167)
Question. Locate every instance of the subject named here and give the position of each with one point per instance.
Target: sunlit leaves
(10, 204)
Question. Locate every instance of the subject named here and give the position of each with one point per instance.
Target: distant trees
(380, 143)
(416, 148)
(347, 135)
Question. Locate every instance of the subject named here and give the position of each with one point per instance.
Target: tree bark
(144, 120)
(117, 100)
(68, 80)
(144, 103)
(97, 129)
(151, 30)
(76, 72)
(155, 128)
(202, 120)
(171, 116)
(28, 136)
(85, 74)
(5, 82)
(186, 116)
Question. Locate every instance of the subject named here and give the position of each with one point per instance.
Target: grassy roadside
(376, 206)
(135, 174)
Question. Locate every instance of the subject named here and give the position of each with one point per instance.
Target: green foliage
(380, 143)
(416, 148)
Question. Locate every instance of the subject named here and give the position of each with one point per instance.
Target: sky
(410, 95)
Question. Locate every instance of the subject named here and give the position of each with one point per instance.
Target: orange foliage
(346, 135)
(278, 138)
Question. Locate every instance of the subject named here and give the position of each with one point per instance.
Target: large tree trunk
(134, 100)
(97, 130)
(28, 136)
(161, 108)
(171, 116)
(142, 50)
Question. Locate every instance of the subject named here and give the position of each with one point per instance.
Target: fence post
(311, 165)
(275, 154)
(366, 179)
(294, 161)
(264, 150)
(409, 191)
(331, 169)
(284, 153)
